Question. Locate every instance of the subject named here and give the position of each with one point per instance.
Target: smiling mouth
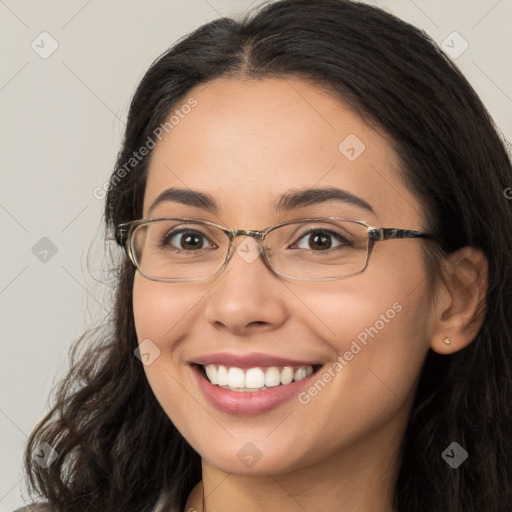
(254, 379)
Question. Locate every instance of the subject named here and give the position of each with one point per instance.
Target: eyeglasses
(316, 249)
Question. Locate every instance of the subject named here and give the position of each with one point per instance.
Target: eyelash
(334, 234)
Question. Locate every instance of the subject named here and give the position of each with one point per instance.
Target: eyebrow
(286, 202)
(311, 196)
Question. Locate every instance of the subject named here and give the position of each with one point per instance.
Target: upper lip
(249, 360)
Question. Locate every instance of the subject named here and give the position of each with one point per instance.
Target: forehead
(246, 142)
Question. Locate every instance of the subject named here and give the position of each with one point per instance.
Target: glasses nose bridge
(235, 233)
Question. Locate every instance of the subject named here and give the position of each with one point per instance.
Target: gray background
(62, 123)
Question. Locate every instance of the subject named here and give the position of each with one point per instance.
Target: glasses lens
(181, 249)
(319, 249)
(178, 249)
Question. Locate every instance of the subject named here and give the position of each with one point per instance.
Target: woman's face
(245, 144)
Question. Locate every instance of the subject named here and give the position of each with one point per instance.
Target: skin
(339, 452)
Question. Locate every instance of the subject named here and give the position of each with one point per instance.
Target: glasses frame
(124, 232)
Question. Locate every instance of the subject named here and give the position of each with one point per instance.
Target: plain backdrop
(62, 118)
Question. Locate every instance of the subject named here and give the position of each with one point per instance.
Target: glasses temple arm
(120, 234)
(394, 233)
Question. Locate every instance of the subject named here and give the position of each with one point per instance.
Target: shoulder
(36, 507)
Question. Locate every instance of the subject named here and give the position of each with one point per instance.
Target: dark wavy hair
(117, 448)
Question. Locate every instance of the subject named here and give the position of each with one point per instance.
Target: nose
(246, 296)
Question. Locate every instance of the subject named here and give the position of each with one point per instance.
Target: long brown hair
(117, 448)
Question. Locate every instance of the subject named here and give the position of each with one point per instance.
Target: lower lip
(248, 403)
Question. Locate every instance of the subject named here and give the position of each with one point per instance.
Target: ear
(460, 301)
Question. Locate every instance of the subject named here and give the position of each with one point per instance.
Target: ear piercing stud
(447, 341)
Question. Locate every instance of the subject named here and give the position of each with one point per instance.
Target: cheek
(379, 334)
(378, 322)
(163, 315)
(160, 307)
(378, 340)
(370, 382)
(388, 300)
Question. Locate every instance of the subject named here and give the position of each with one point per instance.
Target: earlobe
(460, 301)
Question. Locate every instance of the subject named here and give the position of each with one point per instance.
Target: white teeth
(221, 375)
(254, 378)
(300, 374)
(236, 378)
(286, 375)
(272, 377)
(211, 372)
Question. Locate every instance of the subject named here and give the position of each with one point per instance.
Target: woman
(314, 303)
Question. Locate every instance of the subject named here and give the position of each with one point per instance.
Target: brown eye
(187, 240)
(321, 240)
